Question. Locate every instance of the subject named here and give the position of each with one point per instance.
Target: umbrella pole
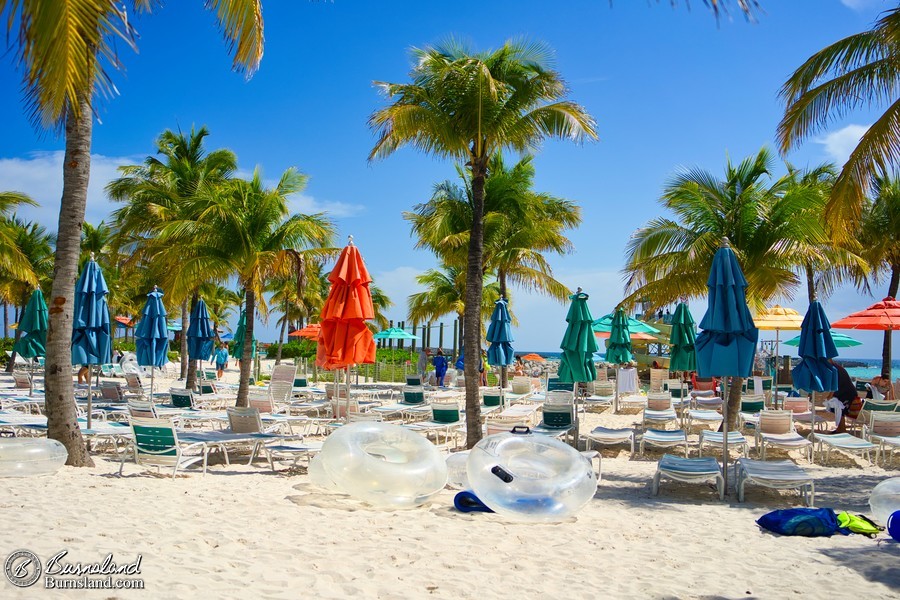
(725, 437)
(616, 397)
(89, 398)
(152, 377)
(812, 430)
(348, 393)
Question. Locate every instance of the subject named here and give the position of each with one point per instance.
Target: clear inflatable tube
(885, 499)
(382, 464)
(530, 477)
(29, 457)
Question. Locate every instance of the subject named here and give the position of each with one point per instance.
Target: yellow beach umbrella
(778, 319)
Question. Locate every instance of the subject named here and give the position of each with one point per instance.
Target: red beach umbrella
(881, 316)
(310, 332)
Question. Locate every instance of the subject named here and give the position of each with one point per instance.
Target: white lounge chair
(659, 411)
(607, 437)
(689, 470)
(716, 439)
(847, 443)
(884, 429)
(776, 429)
(664, 439)
(776, 474)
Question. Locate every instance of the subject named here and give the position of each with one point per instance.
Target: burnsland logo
(23, 568)
(56, 566)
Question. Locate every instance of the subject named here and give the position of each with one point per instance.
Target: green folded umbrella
(579, 343)
(682, 355)
(618, 347)
(33, 327)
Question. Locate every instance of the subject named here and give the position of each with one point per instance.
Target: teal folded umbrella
(815, 373)
(151, 336)
(200, 333)
(618, 347)
(579, 343)
(499, 335)
(682, 341)
(239, 334)
(33, 328)
(91, 339)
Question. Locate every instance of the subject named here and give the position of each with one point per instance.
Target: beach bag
(808, 522)
(860, 524)
(855, 406)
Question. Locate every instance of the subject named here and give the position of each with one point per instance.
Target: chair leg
(654, 488)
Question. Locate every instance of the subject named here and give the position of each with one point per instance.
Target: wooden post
(455, 339)
(401, 343)
(414, 333)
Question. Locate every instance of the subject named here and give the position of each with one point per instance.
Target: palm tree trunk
(281, 335)
(183, 345)
(247, 354)
(734, 402)
(501, 280)
(5, 320)
(62, 424)
(886, 346)
(472, 314)
(190, 381)
(810, 283)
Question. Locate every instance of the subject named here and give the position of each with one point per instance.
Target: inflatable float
(530, 477)
(382, 464)
(28, 457)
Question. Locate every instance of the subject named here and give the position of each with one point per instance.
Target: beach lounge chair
(247, 422)
(751, 406)
(554, 384)
(492, 396)
(155, 443)
(845, 442)
(607, 437)
(181, 398)
(657, 377)
(21, 380)
(558, 420)
(142, 410)
(659, 410)
(870, 406)
(706, 400)
(281, 391)
(884, 429)
(112, 391)
(444, 419)
(689, 470)
(776, 429)
(777, 474)
(704, 417)
(559, 397)
(802, 414)
(293, 451)
(107, 370)
(414, 379)
(716, 439)
(521, 385)
(118, 371)
(664, 439)
(285, 373)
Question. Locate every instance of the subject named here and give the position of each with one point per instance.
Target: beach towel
(808, 522)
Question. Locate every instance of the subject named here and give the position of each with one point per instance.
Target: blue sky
(669, 88)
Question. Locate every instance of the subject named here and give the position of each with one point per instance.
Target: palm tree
(158, 192)
(242, 228)
(220, 302)
(670, 259)
(881, 233)
(467, 107)
(859, 70)
(380, 303)
(61, 46)
(13, 263)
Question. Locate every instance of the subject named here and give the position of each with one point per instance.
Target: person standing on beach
(440, 367)
(221, 360)
(422, 364)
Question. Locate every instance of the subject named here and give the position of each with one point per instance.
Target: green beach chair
(155, 443)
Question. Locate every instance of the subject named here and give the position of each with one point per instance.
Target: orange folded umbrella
(344, 339)
(881, 316)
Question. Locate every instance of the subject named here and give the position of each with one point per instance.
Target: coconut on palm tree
(858, 71)
(62, 46)
(468, 106)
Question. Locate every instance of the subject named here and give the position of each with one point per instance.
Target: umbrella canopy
(227, 337)
(173, 326)
(90, 327)
(345, 340)
(200, 333)
(151, 335)
(532, 357)
(499, 334)
(239, 333)
(840, 340)
(311, 331)
(618, 348)
(605, 323)
(605, 335)
(778, 318)
(682, 340)
(394, 333)
(881, 316)
(578, 344)
(123, 321)
(727, 344)
(815, 373)
(33, 325)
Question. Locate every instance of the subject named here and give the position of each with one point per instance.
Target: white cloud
(40, 176)
(398, 283)
(307, 204)
(839, 144)
(860, 4)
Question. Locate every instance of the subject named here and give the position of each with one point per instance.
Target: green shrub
(293, 349)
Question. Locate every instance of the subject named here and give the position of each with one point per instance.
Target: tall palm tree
(468, 106)
(242, 228)
(670, 258)
(857, 71)
(62, 45)
(161, 191)
(881, 235)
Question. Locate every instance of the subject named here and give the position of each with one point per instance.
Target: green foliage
(293, 349)
(396, 356)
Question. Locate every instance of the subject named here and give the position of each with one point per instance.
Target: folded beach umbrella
(578, 346)
(815, 373)
(90, 325)
(618, 347)
(727, 344)
(152, 335)
(200, 333)
(32, 326)
(840, 340)
(682, 340)
(239, 334)
(499, 334)
(345, 339)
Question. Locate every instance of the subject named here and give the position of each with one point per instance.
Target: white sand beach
(243, 531)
